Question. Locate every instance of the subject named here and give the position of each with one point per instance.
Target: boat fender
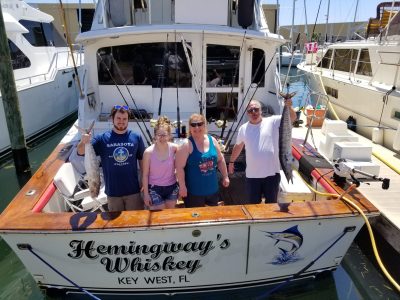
(377, 135)
(245, 13)
(351, 123)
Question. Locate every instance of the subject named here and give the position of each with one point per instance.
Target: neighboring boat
(43, 71)
(157, 60)
(361, 78)
(286, 57)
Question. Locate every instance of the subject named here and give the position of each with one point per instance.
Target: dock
(387, 201)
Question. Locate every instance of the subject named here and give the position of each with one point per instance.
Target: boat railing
(58, 61)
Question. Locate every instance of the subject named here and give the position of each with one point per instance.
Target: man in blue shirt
(119, 150)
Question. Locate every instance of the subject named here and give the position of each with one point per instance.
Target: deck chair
(76, 196)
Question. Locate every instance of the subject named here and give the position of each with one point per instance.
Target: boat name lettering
(120, 145)
(123, 264)
(91, 250)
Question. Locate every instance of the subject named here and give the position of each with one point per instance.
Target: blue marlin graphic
(288, 242)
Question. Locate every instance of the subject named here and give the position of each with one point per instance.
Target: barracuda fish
(285, 140)
(290, 236)
(91, 166)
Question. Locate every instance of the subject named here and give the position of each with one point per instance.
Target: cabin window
(397, 115)
(222, 81)
(331, 91)
(341, 60)
(364, 64)
(326, 60)
(42, 34)
(155, 64)
(354, 55)
(258, 67)
(87, 18)
(224, 61)
(18, 59)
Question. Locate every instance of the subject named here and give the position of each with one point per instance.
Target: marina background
(357, 278)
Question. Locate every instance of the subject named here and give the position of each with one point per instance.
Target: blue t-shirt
(119, 154)
(201, 170)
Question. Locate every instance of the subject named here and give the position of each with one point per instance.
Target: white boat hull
(43, 105)
(362, 101)
(183, 258)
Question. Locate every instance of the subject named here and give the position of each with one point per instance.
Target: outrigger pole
(70, 49)
(120, 92)
(198, 92)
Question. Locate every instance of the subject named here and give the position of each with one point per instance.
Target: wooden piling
(11, 106)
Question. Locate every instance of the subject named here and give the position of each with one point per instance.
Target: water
(356, 279)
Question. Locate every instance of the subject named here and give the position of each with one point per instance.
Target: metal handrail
(53, 67)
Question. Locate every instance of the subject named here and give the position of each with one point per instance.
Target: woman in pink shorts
(160, 189)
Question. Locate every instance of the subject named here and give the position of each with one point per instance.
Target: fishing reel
(345, 171)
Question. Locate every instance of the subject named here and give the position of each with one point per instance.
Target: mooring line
(29, 247)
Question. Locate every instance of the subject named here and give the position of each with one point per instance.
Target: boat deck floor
(387, 201)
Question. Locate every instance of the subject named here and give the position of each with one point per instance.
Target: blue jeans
(269, 186)
(160, 194)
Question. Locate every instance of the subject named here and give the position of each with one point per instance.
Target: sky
(340, 10)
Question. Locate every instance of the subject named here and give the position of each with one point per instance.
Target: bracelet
(231, 162)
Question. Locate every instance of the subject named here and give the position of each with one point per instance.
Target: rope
(29, 247)
(278, 287)
(371, 233)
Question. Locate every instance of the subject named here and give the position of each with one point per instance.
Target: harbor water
(356, 278)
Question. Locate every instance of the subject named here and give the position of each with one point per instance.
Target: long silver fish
(285, 140)
(92, 166)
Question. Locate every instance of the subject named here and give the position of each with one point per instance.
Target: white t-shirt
(262, 147)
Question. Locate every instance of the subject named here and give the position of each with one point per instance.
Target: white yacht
(158, 57)
(43, 71)
(361, 78)
(286, 57)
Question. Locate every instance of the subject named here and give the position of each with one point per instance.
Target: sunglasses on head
(125, 107)
(197, 124)
(253, 110)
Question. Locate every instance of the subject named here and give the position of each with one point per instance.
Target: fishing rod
(120, 92)
(252, 80)
(161, 76)
(202, 74)
(178, 113)
(233, 82)
(133, 99)
(228, 137)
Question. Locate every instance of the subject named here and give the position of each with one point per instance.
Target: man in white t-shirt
(260, 136)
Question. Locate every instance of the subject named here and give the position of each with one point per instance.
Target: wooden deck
(387, 201)
(21, 216)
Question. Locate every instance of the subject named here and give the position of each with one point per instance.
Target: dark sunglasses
(198, 124)
(253, 110)
(125, 107)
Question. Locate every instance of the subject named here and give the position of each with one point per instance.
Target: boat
(43, 71)
(132, 54)
(360, 77)
(286, 56)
